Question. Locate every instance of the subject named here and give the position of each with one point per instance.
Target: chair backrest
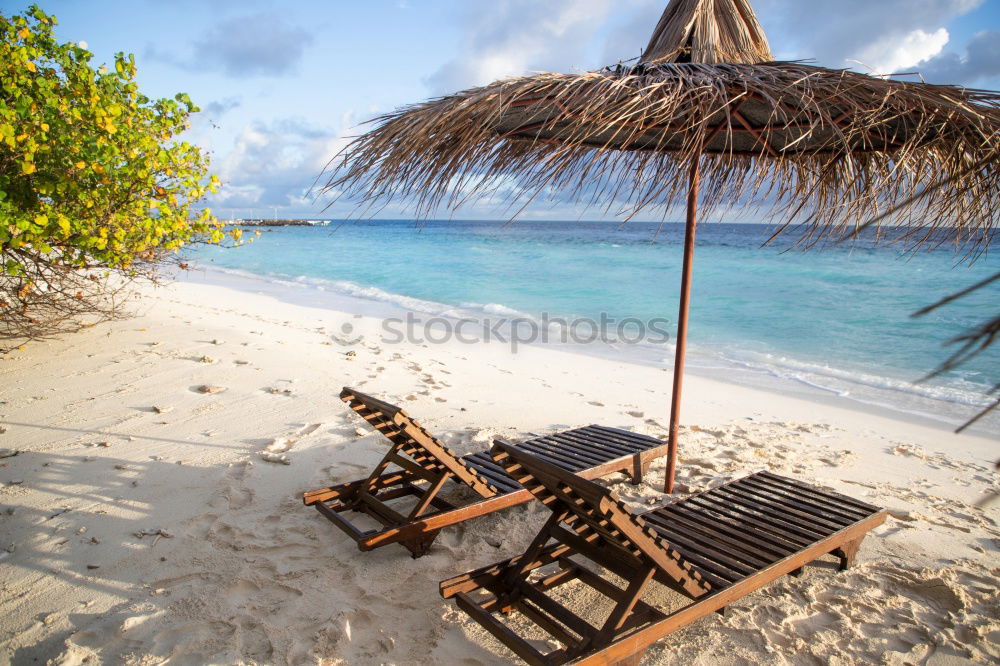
(413, 440)
(602, 513)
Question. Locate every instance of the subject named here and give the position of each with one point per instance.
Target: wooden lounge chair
(418, 466)
(713, 547)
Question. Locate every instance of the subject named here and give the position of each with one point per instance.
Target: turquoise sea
(834, 320)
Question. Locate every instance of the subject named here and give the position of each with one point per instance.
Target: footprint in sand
(277, 450)
(237, 493)
(595, 403)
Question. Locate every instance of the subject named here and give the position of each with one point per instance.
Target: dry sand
(147, 520)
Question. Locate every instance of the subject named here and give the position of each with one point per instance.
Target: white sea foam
(826, 378)
(369, 293)
(496, 309)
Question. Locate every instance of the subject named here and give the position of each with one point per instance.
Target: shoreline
(702, 365)
(143, 522)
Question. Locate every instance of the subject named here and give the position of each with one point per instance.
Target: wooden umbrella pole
(682, 322)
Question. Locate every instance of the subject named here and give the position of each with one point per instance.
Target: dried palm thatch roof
(823, 146)
(709, 32)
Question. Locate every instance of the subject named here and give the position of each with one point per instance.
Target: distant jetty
(277, 223)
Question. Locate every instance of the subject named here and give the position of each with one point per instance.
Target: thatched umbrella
(704, 104)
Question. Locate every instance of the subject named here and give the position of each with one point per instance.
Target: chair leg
(847, 553)
(639, 470)
(418, 546)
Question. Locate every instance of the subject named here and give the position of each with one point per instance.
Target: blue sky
(282, 84)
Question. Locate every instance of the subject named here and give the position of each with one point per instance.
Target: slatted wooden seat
(418, 466)
(714, 547)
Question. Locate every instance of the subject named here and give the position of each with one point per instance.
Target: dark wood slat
(625, 434)
(579, 442)
(789, 507)
(611, 449)
(483, 458)
(624, 438)
(576, 442)
(787, 515)
(712, 538)
(483, 466)
(557, 460)
(576, 452)
(780, 528)
(502, 481)
(626, 448)
(822, 492)
(739, 522)
(718, 576)
(501, 485)
(849, 513)
(814, 509)
(842, 514)
(704, 548)
(763, 551)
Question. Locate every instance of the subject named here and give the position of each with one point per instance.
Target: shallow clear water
(836, 319)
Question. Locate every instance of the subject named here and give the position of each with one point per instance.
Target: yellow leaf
(45, 127)
(27, 167)
(23, 33)
(81, 164)
(30, 66)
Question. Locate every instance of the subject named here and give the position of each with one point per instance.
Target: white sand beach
(141, 521)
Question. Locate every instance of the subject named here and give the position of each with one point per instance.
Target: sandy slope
(139, 535)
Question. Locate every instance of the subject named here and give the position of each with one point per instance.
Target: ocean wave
(496, 309)
(824, 377)
(370, 293)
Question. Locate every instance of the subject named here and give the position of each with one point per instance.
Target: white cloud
(981, 62)
(275, 165)
(836, 32)
(892, 54)
(511, 37)
(261, 44)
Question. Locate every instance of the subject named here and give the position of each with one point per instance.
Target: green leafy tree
(94, 188)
